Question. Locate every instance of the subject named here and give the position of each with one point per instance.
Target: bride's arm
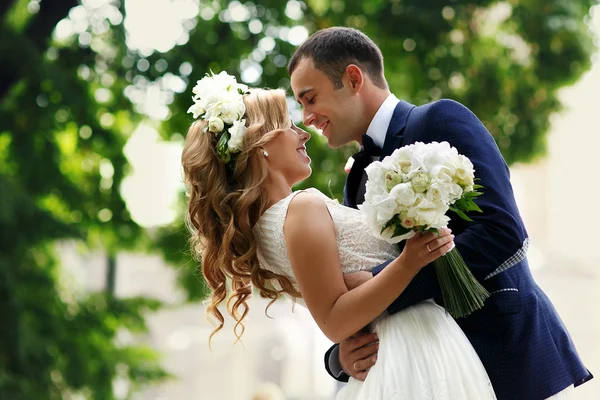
(313, 251)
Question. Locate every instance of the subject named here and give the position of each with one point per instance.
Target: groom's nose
(308, 117)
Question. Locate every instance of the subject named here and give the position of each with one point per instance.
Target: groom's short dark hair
(333, 49)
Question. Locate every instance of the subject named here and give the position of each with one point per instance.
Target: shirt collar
(381, 121)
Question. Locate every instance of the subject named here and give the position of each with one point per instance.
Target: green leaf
(399, 230)
(461, 214)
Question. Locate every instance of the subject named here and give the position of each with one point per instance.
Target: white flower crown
(218, 99)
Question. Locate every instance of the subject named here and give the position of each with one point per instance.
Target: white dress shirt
(381, 121)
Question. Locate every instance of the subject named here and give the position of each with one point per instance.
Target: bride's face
(287, 154)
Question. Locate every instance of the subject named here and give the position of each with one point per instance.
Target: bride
(241, 158)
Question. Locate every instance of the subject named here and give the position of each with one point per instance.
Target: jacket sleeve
(333, 366)
(496, 238)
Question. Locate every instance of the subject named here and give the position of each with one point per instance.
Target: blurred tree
(74, 84)
(505, 60)
(61, 164)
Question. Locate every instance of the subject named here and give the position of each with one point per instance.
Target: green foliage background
(68, 104)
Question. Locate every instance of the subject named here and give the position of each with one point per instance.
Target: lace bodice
(358, 249)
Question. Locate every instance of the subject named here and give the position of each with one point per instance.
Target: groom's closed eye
(304, 93)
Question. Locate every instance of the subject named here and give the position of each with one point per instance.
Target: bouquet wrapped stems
(461, 292)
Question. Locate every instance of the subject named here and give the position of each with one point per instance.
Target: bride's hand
(425, 248)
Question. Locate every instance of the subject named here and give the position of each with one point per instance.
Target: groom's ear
(355, 77)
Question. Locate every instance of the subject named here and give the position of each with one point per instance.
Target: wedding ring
(354, 366)
(427, 245)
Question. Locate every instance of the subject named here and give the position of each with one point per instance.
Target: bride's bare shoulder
(307, 214)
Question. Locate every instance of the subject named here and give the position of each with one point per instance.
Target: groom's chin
(332, 145)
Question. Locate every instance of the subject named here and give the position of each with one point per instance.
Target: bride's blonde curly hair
(225, 203)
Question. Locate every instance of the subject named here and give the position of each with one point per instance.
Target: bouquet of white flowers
(411, 191)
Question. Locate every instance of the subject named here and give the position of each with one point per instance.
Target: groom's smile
(330, 108)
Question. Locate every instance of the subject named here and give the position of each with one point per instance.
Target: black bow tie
(369, 148)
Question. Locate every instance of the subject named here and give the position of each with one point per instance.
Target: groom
(337, 76)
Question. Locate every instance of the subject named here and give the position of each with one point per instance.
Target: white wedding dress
(423, 354)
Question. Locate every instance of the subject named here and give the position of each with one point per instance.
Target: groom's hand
(355, 279)
(358, 354)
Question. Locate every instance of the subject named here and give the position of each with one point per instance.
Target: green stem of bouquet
(461, 292)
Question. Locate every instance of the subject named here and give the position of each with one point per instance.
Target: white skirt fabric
(423, 355)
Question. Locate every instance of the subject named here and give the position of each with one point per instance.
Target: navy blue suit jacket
(518, 335)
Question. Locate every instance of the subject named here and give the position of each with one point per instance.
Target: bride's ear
(355, 77)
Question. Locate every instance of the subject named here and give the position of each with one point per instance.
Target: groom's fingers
(361, 340)
(364, 365)
(357, 354)
(366, 352)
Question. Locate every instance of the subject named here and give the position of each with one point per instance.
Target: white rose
(402, 159)
(407, 222)
(376, 183)
(236, 140)
(377, 214)
(439, 192)
(403, 194)
(228, 106)
(429, 214)
(443, 173)
(232, 112)
(385, 206)
(196, 109)
(215, 125)
(223, 81)
(465, 173)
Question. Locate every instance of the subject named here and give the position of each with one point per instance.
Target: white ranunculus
(420, 181)
(392, 178)
(237, 131)
(215, 125)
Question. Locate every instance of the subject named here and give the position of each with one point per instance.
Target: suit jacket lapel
(393, 136)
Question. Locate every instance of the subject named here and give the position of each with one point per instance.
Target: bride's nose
(303, 135)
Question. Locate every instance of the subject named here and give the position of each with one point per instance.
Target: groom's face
(333, 111)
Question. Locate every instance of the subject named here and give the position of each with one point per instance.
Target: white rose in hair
(229, 106)
(215, 125)
(222, 81)
(197, 110)
(232, 111)
(237, 131)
